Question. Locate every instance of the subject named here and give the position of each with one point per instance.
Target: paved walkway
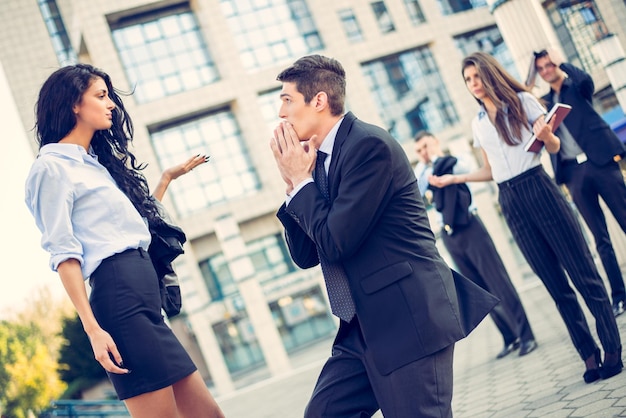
(545, 383)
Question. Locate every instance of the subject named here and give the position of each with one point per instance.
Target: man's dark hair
(422, 134)
(315, 73)
(540, 54)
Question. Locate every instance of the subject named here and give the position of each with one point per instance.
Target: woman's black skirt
(125, 300)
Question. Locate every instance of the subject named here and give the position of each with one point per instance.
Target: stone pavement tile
(597, 409)
(545, 383)
(513, 399)
(504, 413)
(279, 397)
(548, 400)
(537, 391)
(548, 379)
(574, 392)
(620, 398)
(552, 410)
(592, 398)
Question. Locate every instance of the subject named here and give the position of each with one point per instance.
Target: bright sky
(24, 263)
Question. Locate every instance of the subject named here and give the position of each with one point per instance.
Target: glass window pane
(456, 6)
(350, 25)
(414, 10)
(256, 24)
(578, 25)
(410, 93)
(385, 24)
(488, 40)
(58, 34)
(228, 175)
(170, 50)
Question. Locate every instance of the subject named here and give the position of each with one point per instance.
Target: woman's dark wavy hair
(55, 119)
(502, 89)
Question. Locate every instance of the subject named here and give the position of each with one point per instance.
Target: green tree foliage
(78, 367)
(29, 343)
(28, 370)
(47, 314)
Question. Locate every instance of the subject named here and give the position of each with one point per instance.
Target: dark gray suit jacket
(408, 301)
(591, 132)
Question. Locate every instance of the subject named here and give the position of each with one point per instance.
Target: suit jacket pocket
(386, 276)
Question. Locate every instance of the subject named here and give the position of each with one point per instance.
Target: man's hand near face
(295, 161)
(555, 57)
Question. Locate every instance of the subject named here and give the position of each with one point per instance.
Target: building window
(271, 32)
(448, 7)
(410, 93)
(350, 25)
(578, 25)
(269, 103)
(190, 294)
(228, 175)
(414, 11)
(163, 52)
(487, 40)
(239, 344)
(269, 256)
(58, 35)
(385, 24)
(217, 278)
(302, 317)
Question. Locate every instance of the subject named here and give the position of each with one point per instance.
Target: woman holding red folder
(541, 221)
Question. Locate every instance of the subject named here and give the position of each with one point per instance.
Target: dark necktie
(341, 302)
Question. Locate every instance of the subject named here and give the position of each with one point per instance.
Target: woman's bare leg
(194, 399)
(158, 404)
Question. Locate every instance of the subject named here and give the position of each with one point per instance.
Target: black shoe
(607, 371)
(508, 349)
(526, 347)
(618, 308)
(591, 375)
(610, 371)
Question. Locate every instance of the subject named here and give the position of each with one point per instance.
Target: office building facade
(202, 74)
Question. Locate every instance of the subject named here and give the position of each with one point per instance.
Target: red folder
(557, 113)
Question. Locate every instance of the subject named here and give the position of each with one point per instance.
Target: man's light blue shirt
(79, 209)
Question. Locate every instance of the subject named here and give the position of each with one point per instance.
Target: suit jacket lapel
(340, 139)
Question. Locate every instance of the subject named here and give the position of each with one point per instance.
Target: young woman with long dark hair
(92, 204)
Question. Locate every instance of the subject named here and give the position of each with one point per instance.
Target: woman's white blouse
(508, 161)
(79, 209)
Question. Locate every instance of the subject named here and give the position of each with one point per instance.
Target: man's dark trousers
(586, 182)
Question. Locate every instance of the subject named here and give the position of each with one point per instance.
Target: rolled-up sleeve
(534, 109)
(49, 198)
